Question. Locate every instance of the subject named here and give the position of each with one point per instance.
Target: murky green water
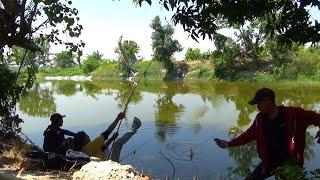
(179, 121)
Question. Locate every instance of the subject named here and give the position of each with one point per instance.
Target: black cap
(56, 117)
(263, 94)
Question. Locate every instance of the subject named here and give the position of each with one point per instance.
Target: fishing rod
(128, 101)
(32, 143)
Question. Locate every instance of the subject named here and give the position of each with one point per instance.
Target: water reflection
(38, 102)
(179, 112)
(91, 89)
(67, 88)
(167, 112)
(123, 94)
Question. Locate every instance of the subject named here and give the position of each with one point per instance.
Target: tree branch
(42, 24)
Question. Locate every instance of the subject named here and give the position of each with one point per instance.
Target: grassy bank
(306, 72)
(111, 70)
(72, 71)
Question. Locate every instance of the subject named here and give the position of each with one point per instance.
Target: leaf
(172, 4)
(149, 2)
(165, 5)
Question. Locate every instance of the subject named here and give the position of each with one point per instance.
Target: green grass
(72, 71)
(201, 74)
(111, 70)
(153, 72)
(107, 70)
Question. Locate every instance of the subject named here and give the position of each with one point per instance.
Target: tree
(127, 54)
(18, 19)
(163, 44)
(64, 59)
(287, 20)
(193, 54)
(17, 28)
(38, 58)
(92, 62)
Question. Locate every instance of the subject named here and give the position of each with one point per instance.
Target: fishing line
(135, 149)
(180, 158)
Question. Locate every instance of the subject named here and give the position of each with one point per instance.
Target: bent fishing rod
(128, 101)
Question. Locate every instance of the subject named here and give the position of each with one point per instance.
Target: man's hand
(121, 115)
(318, 136)
(221, 143)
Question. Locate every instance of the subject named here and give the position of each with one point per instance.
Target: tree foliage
(64, 59)
(163, 44)
(92, 62)
(193, 54)
(20, 20)
(286, 20)
(38, 58)
(127, 54)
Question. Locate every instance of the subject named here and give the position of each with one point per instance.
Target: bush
(64, 59)
(90, 65)
(193, 54)
(154, 69)
(92, 62)
(107, 70)
(298, 68)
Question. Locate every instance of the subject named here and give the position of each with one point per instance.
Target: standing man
(279, 131)
(54, 136)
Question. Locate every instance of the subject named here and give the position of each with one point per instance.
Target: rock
(107, 170)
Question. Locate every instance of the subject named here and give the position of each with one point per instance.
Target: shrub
(302, 67)
(90, 65)
(64, 59)
(193, 54)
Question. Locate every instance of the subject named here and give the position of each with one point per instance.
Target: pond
(179, 121)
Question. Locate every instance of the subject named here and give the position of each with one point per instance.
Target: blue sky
(104, 21)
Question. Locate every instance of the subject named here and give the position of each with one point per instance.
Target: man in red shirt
(279, 131)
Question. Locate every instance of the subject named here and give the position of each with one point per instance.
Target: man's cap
(56, 117)
(263, 94)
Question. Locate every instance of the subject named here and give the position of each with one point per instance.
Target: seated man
(54, 136)
(99, 146)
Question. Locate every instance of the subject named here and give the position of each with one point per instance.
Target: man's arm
(67, 132)
(109, 141)
(106, 133)
(244, 138)
(311, 117)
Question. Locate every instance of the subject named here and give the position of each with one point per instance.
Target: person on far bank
(54, 136)
(280, 133)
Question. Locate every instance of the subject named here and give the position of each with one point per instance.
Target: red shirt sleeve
(310, 117)
(246, 137)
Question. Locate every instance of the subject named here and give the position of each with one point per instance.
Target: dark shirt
(54, 138)
(276, 139)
